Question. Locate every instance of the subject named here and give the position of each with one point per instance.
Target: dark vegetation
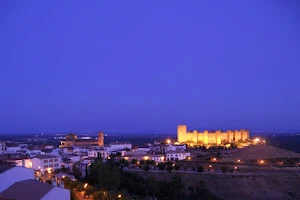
(107, 180)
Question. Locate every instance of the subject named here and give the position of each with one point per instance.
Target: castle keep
(210, 137)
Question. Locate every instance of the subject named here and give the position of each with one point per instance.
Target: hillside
(262, 151)
(269, 186)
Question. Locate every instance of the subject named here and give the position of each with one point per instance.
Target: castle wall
(237, 135)
(207, 137)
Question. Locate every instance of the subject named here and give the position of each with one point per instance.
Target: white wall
(117, 147)
(13, 149)
(13, 175)
(57, 193)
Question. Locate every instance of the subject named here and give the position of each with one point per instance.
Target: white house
(159, 158)
(118, 146)
(10, 175)
(34, 152)
(33, 189)
(143, 148)
(73, 158)
(101, 152)
(173, 147)
(177, 155)
(12, 148)
(45, 162)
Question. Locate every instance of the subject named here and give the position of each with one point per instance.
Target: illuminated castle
(72, 140)
(210, 137)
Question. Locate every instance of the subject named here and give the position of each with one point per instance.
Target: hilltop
(263, 151)
(230, 186)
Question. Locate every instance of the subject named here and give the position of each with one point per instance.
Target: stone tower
(181, 133)
(100, 139)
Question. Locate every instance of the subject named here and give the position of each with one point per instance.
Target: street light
(119, 196)
(214, 159)
(85, 185)
(238, 160)
(168, 141)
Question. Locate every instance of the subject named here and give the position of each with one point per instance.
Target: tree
(134, 161)
(146, 167)
(169, 168)
(90, 190)
(105, 175)
(200, 169)
(177, 167)
(86, 172)
(142, 162)
(118, 154)
(80, 186)
(152, 162)
(76, 171)
(161, 166)
(224, 169)
(64, 169)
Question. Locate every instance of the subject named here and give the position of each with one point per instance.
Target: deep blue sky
(147, 66)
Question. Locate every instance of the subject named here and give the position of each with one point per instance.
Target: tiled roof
(23, 190)
(42, 156)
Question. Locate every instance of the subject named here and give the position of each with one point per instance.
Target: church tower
(181, 133)
(100, 139)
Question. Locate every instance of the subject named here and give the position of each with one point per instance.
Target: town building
(34, 190)
(72, 140)
(210, 137)
(159, 158)
(2, 148)
(10, 174)
(12, 148)
(143, 148)
(45, 163)
(118, 146)
(94, 153)
(177, 155)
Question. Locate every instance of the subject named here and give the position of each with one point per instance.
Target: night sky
(147, 66)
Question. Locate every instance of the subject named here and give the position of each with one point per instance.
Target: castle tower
(205, 137)
(181, 133)
(237, 135)
(100, 139)
(218, 137)
(230, 136)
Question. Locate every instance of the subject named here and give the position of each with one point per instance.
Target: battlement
(210, 137)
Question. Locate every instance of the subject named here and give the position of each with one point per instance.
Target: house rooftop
(23, 190)
(42, 156)
(4, 166)
(12, 144)
(115, 143)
